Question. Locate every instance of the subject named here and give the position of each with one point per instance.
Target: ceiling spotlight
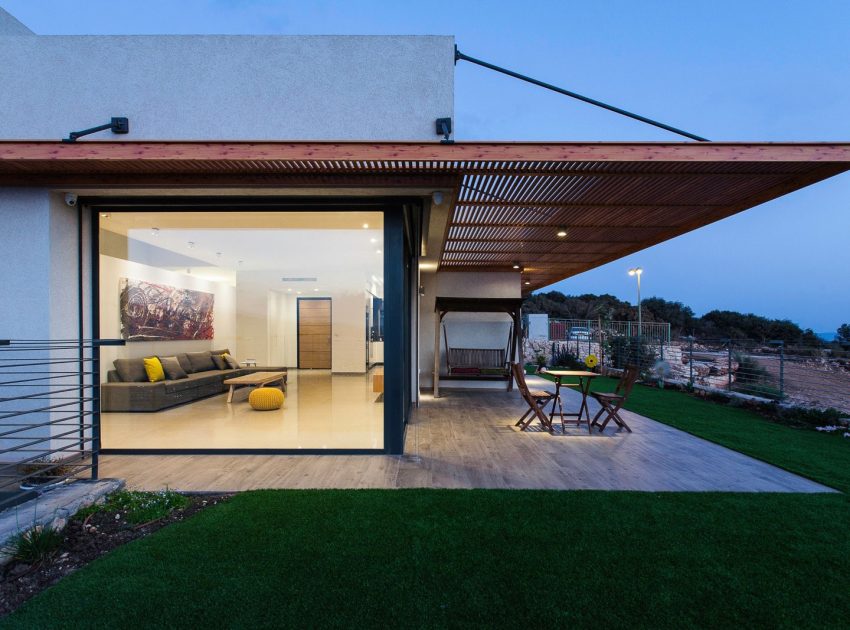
(437, 197)
(191, 244)
(218, 254)
(378, 251)
(562, 232)
(527, 282)
(299, 292)
(239, 262)
(154, 231)
(289, 290)
(516, 265)
(316, 290)
(365, 226)
(373, 240)
(104, 215)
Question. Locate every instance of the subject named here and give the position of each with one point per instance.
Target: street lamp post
(637, 271)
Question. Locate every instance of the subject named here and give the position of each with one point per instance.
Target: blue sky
(744, 70)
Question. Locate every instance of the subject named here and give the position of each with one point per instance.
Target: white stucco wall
(199, 87)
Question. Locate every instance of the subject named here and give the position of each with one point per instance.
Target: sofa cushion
(131, 370)
(218, 359)
(231, 362)
(173, 369)
(153, 368)
(201, 361)
(220, 352)
(185, 363)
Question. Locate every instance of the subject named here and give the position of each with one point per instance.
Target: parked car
(579, 333)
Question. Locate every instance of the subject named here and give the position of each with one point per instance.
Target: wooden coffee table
(257, 379)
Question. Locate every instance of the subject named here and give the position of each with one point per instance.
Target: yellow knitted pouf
(265, 398)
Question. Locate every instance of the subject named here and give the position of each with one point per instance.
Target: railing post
(729, 367)
(691, 359)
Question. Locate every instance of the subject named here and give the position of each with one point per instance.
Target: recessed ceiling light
(365, 226)
(373, 240)
(562, 232)
(378, 251)
(299, 293)
(315, 290)
(516, 265)
(289, 290)
(154, 231)
(191, 244)
(527, 282)
(218, 254)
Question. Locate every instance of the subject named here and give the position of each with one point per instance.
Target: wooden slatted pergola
(510, 199)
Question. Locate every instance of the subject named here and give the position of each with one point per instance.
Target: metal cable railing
(49, 414)
(800, 375)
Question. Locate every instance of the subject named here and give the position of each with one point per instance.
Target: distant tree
(843, 334)
(680, 317)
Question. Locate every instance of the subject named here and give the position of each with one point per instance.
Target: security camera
(70, 199)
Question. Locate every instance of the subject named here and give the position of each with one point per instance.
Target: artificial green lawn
(472, 558)
(819, 456)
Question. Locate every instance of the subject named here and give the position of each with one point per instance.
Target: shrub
(562, 357)
(35, 545)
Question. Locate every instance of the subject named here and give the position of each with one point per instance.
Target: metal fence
(586, 329)
(49, 414)
(804, 376)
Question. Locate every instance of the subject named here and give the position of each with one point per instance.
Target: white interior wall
(469, 330)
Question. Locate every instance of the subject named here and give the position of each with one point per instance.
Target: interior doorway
(314, 333)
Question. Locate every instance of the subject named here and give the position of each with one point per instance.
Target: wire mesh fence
(803, 376)
(49, 414)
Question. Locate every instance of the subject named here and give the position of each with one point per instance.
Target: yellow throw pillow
(154, 369)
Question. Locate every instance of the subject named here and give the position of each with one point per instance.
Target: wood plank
(236, 151)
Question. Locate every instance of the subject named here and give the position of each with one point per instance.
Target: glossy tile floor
(321, 410)
(467, 439)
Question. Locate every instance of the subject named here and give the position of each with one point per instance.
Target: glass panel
(275, 300)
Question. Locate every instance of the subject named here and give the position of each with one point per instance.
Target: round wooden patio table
(584, 378)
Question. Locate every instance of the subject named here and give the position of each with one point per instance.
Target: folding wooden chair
(613, 402)
(537, 400)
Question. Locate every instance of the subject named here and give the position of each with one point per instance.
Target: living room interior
(220, 295)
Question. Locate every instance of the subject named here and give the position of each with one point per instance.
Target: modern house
(299, 204)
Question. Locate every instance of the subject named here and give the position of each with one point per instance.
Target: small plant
(139, 507)
(35, 545)
(540, 360)
(44, 471)
(562, 357)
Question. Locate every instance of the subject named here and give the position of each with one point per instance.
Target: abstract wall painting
(158, 312)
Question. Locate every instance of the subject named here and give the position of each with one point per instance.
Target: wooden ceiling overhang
(510, 198)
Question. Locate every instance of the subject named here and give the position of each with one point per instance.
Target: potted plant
(540, 360)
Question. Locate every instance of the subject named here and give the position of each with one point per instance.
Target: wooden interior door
(314, 333)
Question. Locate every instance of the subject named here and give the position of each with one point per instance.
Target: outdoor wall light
(116, 125)
(437, 198)
(444, 128)
(562, 232)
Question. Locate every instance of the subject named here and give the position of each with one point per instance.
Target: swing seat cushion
(470, 371)
(493, 371)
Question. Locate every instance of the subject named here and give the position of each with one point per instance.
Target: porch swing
(475, 364)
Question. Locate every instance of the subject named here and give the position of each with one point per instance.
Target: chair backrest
(519, 377)
(627, 381)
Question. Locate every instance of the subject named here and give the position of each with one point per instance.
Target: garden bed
(93, 532)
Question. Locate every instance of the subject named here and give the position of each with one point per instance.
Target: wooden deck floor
(467, 440)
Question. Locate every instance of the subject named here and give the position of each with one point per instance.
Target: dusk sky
(736, 71)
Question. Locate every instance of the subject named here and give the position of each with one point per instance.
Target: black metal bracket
(444, 128)
(116, 125)
(459, 56)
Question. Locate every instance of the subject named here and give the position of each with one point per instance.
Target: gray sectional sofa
(138, 394)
